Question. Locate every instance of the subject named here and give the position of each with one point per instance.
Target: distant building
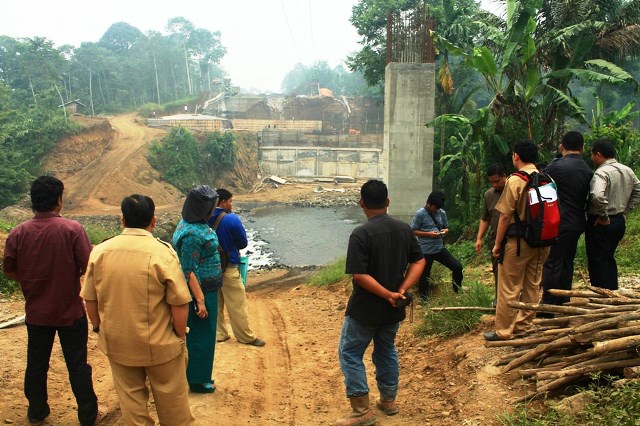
(72, 106)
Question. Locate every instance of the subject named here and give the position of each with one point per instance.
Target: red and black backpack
(541, 224)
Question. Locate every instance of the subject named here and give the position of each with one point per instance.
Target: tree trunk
(93, 111)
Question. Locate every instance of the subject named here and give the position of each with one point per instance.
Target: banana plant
(527, 91)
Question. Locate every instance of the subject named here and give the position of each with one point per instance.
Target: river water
(298, 236)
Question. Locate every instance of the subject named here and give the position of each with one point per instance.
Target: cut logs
(598, 331)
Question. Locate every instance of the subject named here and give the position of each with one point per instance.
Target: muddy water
(298, 236)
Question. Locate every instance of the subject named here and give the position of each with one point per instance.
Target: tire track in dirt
(122, 169)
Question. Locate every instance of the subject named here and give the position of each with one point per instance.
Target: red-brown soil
(295, 379)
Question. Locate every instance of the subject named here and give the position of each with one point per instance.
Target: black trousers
(601, 242)
(446, 259)
(557, 272)
(73, 340)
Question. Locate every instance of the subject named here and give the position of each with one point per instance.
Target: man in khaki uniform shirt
(137, 300)
(519, 276)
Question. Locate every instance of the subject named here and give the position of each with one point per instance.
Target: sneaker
(257, 342)
(222, 339)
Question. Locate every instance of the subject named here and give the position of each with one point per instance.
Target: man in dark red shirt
(47, 255)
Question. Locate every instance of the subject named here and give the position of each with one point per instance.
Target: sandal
(202, 387)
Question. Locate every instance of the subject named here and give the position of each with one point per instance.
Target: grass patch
(99, 232)
(329, 274)
(619, 406)
(453, 323)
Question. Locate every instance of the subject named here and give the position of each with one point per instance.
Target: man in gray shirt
(614, 192)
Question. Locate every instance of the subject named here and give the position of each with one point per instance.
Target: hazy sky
(264, 38)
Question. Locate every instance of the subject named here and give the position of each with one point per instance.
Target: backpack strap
(216, 223)
(518, 222)
(224, 256)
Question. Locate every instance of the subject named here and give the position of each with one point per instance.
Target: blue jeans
(354, 340)
(73, 340)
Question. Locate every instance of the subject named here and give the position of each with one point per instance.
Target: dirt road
(295, 379)
(120, 170)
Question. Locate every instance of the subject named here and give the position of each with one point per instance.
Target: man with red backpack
(520, 272)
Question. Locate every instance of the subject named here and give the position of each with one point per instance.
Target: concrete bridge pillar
(409, 103)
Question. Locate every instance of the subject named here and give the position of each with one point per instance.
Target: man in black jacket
(572, 175)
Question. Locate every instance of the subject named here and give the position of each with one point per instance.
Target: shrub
(184, 161)
(176, 156)
(7, 286)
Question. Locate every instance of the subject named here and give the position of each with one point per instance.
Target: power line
(293, 40)
(313, 46)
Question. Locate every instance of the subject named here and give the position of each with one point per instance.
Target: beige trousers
(170, 392)
(233, 296)
(518, 279)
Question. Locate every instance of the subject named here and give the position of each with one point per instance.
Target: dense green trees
(27, 135)
(123, 70)
(185, 162)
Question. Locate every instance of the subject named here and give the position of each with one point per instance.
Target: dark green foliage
(176, 156)
(219, 151)
(184, 162)
(25, 139)
(7, 286)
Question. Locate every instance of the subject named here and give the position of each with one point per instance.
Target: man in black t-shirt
(572, 175)
(385, 260)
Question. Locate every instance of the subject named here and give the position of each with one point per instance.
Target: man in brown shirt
(489, 219)
(137, 300)
(47, 255)
(520, 272)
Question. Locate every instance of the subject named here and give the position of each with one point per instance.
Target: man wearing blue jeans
(377, 257)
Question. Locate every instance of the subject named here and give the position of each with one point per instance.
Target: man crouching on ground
(377, 258)
(138, 302)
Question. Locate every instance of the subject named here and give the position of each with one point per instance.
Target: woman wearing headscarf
(197, 247)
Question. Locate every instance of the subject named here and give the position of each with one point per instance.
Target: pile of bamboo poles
(598, 331)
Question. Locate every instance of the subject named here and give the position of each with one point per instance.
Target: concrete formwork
(258, 125)
(362, 163)
(408, 144)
